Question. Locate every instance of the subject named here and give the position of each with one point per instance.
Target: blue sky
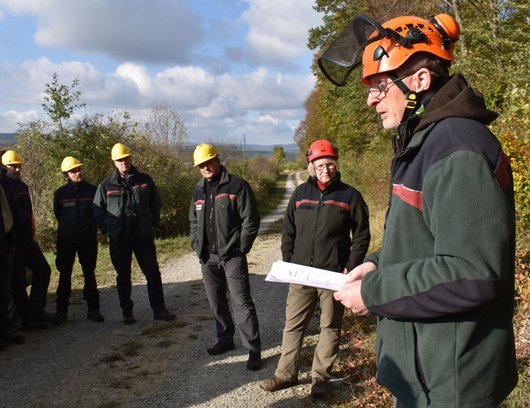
(228, 67)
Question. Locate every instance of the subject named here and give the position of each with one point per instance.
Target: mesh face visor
(345, 53)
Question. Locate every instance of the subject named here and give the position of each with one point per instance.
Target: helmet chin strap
(412, 98)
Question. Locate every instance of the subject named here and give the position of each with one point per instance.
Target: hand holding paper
(350, 293)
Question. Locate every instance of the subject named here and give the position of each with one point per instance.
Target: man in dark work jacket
(76, 233)
(224, 222)
(127, 207)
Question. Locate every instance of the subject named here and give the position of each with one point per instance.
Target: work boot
(12, 338)
(220, 348)
(95, 315)
(254, 361)
(128, 318)
(274, 384)
(319, 388)
(164, 314)
(60, 316)
(40, 320)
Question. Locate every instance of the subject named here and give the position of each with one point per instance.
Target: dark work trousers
(64, 261)
(145, 252)
(6, 267)
(30, 257)
(231, 275)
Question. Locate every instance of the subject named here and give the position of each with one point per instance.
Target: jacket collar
(331, 185)
(115, 176)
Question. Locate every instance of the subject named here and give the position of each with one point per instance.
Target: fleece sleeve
(456, 252)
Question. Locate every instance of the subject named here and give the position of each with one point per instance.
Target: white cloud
(154, 31)
(259, 99)
(9, 120)
(278, 29)
(224, 102)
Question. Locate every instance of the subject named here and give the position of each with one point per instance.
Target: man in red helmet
(326, 226)
(442, 284)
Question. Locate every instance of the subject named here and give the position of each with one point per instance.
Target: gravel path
(157, 364)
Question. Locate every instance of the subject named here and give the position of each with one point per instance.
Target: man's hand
(350, 292)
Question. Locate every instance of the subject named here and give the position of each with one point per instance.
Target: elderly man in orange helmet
(442, 284)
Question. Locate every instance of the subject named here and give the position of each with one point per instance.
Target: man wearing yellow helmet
(127, 208)
(8, 210)
(442, 284)
(28, 255)
(224, 222)
(76, 234)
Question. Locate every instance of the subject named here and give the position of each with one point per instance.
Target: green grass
(274, 199)
(166, 249)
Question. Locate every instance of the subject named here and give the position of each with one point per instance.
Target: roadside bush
(260, 172)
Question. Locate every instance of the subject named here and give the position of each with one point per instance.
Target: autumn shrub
(513, 129)
(260, 172)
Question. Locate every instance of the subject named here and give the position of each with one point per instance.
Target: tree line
(158, 145)
(491, 53)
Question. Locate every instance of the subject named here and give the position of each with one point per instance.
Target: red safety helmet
(321, 148)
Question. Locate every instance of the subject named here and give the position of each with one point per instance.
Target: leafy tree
(60, 100)
(278, 155)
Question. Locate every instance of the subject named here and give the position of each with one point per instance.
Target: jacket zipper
(76, 213)
(315, 222)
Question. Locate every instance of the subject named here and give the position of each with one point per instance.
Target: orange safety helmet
(386, 47)
(321, 148)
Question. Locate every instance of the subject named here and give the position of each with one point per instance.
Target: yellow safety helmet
(203, 153)
(70, 163)
(11, 157)
(119, 151)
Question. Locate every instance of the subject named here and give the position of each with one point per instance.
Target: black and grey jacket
(326, 229)
(236, 217)
(72, 206)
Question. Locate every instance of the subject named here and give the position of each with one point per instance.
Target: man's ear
(421, 80)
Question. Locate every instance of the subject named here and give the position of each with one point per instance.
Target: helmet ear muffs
(448, 29)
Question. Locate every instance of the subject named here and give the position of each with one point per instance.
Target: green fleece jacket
(127, 209)
(443, 290)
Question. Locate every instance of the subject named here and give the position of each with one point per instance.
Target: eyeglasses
(377, 90)
(328, 166)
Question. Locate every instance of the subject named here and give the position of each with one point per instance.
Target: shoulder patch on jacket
(408, 195)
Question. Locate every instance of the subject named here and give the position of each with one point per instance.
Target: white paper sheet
(287, 272)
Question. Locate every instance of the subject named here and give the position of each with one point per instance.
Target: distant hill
(291, 150)
(6, 139)
(251, 150)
